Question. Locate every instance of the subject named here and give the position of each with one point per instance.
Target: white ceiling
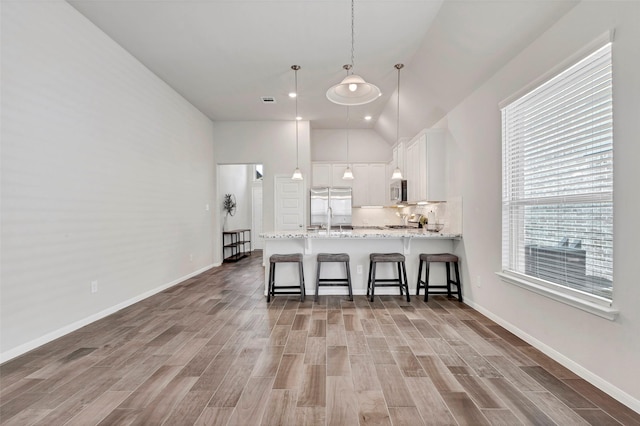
(223, 55)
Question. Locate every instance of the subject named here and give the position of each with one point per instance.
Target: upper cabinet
(321, 174)
(328, 174)
(370, 185)
(425, 167)
(337, 171)
(399, 155)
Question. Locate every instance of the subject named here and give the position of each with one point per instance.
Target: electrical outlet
(206, 207)
(191, 257)
(94, 287)
(478, 281)
(359, 269)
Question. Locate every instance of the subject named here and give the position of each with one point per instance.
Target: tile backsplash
(448, 213)
(375, 217)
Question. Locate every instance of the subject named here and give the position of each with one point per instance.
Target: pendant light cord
(296, 68)
(347, 136)
(398, 67)
(352, 34)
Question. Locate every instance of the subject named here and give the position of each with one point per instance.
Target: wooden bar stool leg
(272, 271)
(406, 282)
(317, 280)
(448, 279)
(426, 282)
(399, 268)
(373, 280)
(419, 277)
(369, 279)
(459, 284)
(302, 289)
(349, 280)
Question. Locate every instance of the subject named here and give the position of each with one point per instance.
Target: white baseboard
(26, 347)
(578, 369)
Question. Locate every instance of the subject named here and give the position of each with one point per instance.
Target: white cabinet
(411, 172)
(378, 185)
(321, 174)
(399, 155)
(360, 192)
(329, 174)
(337, 171)
(370, 184)
(425, 167)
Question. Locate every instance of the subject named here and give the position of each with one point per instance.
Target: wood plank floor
(211, 351)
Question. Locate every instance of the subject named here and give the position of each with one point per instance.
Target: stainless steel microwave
(398, 191)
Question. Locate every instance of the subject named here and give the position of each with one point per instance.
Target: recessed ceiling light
(298, 118)
(292, 95)
(367, 117)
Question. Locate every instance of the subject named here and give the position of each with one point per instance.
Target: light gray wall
(106, 174)
(365, 146)
(605, 352)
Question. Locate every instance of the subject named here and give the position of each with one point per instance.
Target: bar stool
(331, 257)
(401, 281)
(285, 258)
(447, 259)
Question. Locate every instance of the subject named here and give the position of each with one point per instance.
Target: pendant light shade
(397, 173)
(297, 174)
(353, 89)
(348, 174)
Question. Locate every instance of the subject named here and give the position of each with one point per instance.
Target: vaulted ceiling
(224, 55)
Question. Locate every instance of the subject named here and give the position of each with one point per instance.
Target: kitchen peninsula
(358, 243)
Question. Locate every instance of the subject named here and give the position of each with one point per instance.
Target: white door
(256, 217)
(289, 203)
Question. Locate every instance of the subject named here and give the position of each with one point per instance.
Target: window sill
(602, 309)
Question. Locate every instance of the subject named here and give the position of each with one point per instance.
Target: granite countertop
(361, 233)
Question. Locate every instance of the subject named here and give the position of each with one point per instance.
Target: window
(557, 202)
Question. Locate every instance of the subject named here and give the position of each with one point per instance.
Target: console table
(235, 243)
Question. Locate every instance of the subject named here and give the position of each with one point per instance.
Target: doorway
(244, 182)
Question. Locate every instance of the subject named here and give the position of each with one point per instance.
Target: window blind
(557, 203)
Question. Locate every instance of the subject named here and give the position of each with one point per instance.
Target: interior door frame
(258, 243)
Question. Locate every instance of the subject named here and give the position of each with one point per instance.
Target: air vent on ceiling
(268, 100)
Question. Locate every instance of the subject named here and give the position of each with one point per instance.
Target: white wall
(106, 172)
(365, 146)
(270, 143)
(605, 352)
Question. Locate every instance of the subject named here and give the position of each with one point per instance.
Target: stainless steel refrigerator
(338, 199)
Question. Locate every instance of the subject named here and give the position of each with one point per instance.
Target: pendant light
(348, 174)
(297, 174)
(397, 173)
(353, 90)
